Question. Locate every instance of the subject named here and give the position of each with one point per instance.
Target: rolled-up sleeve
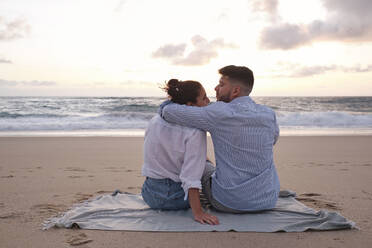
(194, 161)
(276, 130)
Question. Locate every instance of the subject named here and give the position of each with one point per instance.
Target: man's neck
(241, 95)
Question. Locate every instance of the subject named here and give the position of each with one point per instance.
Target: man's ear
(236, 91)
(189, 104)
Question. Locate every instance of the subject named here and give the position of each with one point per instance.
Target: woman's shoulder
(157, 120)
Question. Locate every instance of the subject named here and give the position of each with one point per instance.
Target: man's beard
(225, 98)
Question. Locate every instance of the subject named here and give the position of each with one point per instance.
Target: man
(243, 134)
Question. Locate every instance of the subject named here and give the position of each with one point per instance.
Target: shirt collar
(242, 99)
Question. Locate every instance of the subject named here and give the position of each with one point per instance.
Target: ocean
(123, 116)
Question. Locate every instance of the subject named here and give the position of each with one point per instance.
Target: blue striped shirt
(243, 135)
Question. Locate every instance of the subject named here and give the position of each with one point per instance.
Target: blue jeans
(164, 194)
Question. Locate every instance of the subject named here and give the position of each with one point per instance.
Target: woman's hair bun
(173, 87)
(173, 82)
(182, 92)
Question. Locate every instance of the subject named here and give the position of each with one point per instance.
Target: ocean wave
(324, 119)
(105, 121)
(138, 120)
(134, 107)
(17, 115)
(114, 113)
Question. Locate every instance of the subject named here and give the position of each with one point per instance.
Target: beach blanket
(129, 212)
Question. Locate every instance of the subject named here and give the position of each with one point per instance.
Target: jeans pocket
(165, 195)
(151, 198)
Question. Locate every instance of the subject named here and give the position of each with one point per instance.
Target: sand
(41, 176)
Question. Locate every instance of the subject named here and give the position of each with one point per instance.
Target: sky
(131, 47)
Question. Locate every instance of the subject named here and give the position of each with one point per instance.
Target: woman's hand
(205, 218)
(197, 211)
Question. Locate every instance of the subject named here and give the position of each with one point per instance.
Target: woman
(175, 157)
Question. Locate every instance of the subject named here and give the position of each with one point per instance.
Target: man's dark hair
(239, 73)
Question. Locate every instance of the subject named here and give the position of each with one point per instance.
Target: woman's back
(173, 151)
(175, 157)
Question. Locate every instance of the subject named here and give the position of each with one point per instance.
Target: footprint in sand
(339, 240)
(367, 193)
(131, 188)
(76, 169)
(310, 194)
(103, 192)
(113, 169)
(49, 208)
(366, 164)
(80, 197)
(342, 162)
(11, 215)
(317, 203)
(9, 176)
(77, 239)
(74, 176)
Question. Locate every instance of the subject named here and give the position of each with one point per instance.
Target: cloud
(16, 29)
(170, 51)
(5, 61)
(129, 83)
(202, 53)
(297, 70)
(133, 83)
(120, 5)
(11, 83)
(284, 36)
(268, 7)
(307, 71)
(223, 16)
(345, 21)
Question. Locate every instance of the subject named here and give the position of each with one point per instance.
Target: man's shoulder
(247, 103)
(264, 108)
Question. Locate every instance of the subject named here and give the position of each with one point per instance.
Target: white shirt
(174, 152)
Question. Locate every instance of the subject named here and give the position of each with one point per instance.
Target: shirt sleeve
(194, 161)
(162, 105)
(276, 130)
(190, 116)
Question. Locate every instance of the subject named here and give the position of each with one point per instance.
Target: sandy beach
(42, 176)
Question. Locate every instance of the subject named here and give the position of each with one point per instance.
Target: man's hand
(205, 218)
(165, 103)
